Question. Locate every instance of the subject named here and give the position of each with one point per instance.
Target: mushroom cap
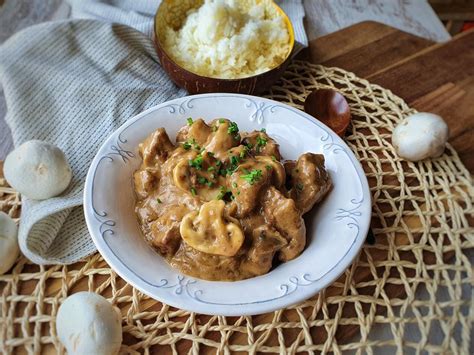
(210, 231)
(420, 136)
(38, 170)
(9, 249)
(88, 324)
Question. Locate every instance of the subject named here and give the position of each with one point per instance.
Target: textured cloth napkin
(73, 83)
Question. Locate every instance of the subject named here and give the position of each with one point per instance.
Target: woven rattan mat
(414, 278)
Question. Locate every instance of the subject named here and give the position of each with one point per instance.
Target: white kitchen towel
(139, 14)
(73, 83)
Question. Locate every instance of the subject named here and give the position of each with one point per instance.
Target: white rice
(218, 40)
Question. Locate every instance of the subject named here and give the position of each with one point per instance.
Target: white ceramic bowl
(336, 229)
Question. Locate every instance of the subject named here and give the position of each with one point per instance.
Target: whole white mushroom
(38, 170)
(9, 250)
(88, 324)
(420, 136)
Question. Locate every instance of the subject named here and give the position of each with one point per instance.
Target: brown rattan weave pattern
(415, 279)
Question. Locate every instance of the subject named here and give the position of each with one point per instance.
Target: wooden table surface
(432, 77)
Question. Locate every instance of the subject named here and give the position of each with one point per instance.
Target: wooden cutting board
(431, 77)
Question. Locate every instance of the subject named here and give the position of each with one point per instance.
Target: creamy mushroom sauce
(221, 204)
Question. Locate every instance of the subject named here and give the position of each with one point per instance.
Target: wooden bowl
(173, 13)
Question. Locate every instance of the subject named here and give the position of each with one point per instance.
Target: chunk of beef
(145, 182)
(307, 180)
(266, 241)
(156, 148)
(261, 144)
(245, 189)
(164, 231)
(207, 266)
(282, 213)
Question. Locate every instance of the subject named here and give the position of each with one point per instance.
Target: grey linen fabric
(73, 83)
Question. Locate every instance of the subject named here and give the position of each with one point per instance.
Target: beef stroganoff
(222, 204)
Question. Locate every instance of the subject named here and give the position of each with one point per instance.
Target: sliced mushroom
(196, 132)
(209, 231)
(198, 181)
(221, 139)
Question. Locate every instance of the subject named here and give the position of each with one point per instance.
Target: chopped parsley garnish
(211, 154)
(222, 120)
(233, 128)
(158, 200)
(202, 180)
(234, 165)
(268, 167)
(214, 128)
(261, 142)
(242, 154)
(232, 169)
(274, 158)
(211, 168)
(219, 163)
(234, 160)
(234, 185)
(222, 192)
(190, 121)
(253, 176)
(196, 162)
(263, 130)
(299, 187)
(209, 183)
(223, 172)
(193, 191)
(191, 143)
